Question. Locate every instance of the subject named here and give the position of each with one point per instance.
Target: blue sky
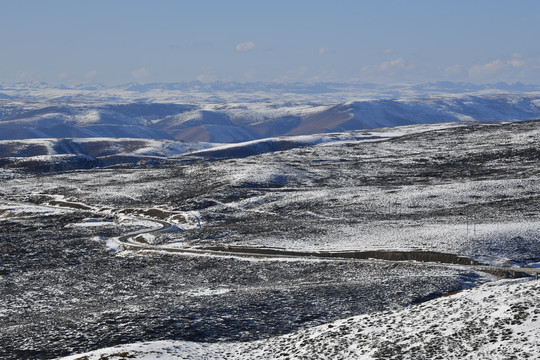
(119, 41)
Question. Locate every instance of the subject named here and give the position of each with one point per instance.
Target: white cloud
(297, 74)
(516, 62)
(250, 74)
(140, 73)
(206, 78)
(509, 69)
(63, 75)
(245, 46)
(515, 68)
(324, 75)
(388, 51)
(487, 69)
(324, 51)
(208, 74)
(90, 74)
(26, 75)
(397, 70)
(393, 65)
(455, 70)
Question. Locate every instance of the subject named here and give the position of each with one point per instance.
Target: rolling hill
(239, 122)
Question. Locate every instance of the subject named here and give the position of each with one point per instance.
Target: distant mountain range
(292, 88)
(244, 121)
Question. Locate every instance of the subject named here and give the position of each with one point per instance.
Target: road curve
(258, 252)
(227, 251)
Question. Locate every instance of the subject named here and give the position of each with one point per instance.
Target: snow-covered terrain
(500, 320)
(165, 112)
(46, 155)
(81, 296)
(329, 243)
(98, 147)
(234, 92)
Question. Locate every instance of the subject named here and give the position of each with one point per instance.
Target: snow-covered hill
(98, 147)
(282, 143)
(494, 321)
(49, 155)
(384, 113)
(27, 153)
(249, 120)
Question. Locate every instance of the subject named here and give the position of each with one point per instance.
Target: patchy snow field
(499, 320)
(469, 190)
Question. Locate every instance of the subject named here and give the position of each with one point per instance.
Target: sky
(415, 41)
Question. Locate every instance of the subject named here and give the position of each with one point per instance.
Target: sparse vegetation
(428, 192)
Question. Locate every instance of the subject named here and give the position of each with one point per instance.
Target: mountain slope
(493, 321)
(97, 147)
(384, 113)
(237, 122)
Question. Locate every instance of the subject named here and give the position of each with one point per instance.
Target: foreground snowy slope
(494, 321)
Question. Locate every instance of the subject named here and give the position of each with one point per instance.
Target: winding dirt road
(259, 252)
(442, 259)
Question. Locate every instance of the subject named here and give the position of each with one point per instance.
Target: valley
(211, 247)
